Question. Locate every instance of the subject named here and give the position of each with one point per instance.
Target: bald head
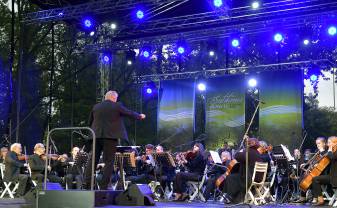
(111, 95)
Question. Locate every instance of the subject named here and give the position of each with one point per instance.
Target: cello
(219, 181)
(315, 170)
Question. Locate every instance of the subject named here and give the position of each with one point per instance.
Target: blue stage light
(146, 54)
(278, 37)
(313, 78)
(252, 82)
(92, 33)
(181, 50)
(211, 53)
(255, 5)
(217, 3)
(306, 42)
(106, 58)
(140, 14)
(88, 23)
(149, 91)
(332, 30)
(60, 14)
(235, 43)
(201, 86)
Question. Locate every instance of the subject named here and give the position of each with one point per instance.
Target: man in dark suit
(12, 169)
(106, 119)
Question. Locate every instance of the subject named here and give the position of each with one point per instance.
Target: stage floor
(18, 203)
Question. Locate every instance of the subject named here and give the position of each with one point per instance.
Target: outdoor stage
(19, 203)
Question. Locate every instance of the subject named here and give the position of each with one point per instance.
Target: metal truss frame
(98, 8)
(324, 63)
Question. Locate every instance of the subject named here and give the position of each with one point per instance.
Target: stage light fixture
(211, 53)
(235, 43)
(149, 90)
(140, 14)
(313, 78)
(92, 33)
(252, 82)
(332, 30)
(146, 54)
(88, 23)
(60, 14)
(201, 87)
(181, 50)
(306, 41)
(113, 26)
(217, 3)
(129, 62)
(255, 5)
(278, 37)
(106, 58)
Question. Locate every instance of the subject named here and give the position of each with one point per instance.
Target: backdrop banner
(225, 110)
(176, 114)
(281, 116)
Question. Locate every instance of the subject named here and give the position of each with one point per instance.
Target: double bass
(315, 169)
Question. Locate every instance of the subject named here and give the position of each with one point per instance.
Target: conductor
(106, 120)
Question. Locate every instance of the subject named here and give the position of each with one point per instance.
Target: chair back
(2, 169)
(260, 172)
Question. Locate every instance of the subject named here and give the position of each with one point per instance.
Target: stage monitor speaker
(136, 195)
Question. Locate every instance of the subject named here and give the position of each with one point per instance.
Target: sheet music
(215, 157)
(287, 153)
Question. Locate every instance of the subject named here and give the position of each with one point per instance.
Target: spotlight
(255, 5)
(149, 91)
(88, 23)
(201, 87)
(306, 42)
(332, 30)
(129, 62)
(106, 58)
(181, 50)
(146, 54)
(211, 53)
(313, 78)
(278, 37)
(235, 43)
(140, 14)
(60, 14)
(217, 3)
(92, 33)
(252, 82)
(113, 26)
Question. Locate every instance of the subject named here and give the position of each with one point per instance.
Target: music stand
(124, 158)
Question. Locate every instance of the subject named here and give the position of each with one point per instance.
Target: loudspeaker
(136, 195)
(70, 198)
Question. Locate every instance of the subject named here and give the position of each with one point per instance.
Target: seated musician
(37, 166)
(12, 169)
(145, 167)
(3, 153)
(215, 172)
(235, 183)
(325, 178)
(74, 172)
(195, 163)
(164, 172)
(321, 150)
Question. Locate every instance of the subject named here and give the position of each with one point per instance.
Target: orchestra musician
(321, 150)
(215, 172)
(325, 178)
(166, 173)
(74, 172)
(195, 163)
(3, 153)
(37, 165)
(106, 119)
(12, 168)
(235, 184)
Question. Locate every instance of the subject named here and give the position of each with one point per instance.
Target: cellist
(321, 151)
(330, 178)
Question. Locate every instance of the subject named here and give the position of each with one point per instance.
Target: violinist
(195, 162)
(215, 172)
(326, 178)
(235, 183)
(12, 169)
(321, 151)
(37, 165)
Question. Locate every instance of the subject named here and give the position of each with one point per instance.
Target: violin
(190, 155)
(23, 157)
(51, 156)
(263, 150)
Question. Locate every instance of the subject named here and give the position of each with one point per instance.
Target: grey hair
(15, 145)
(110, 94)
